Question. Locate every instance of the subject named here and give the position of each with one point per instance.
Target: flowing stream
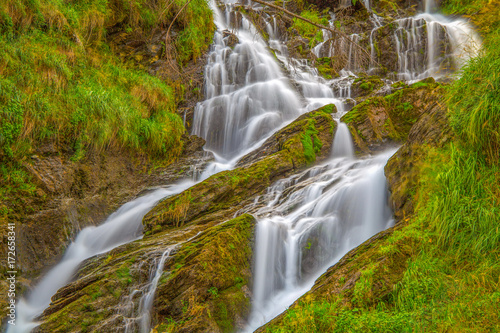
(308, 221)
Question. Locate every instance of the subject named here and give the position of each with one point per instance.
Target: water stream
(309, 222)
(305, 222)
(123, 226)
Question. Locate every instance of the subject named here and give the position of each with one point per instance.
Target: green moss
(308, 30)
(311, 142)
(367, 86)
(218, 295)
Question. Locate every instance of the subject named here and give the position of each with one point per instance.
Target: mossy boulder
(379, 121)
(365, 86)
(324, 128)
(306, 140)
(207, 289)
(402, 169)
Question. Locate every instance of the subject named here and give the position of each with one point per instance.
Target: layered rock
(383, 121)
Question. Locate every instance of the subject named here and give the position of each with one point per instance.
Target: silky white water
(121, 227)
(428, 44)
(247, 95)
(310, 221)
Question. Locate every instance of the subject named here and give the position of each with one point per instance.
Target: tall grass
(49, 91)
(474, 102)
(59, 80)
(87, 20)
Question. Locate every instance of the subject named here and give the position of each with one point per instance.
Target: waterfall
(342, 143)
(311, 220)
(123, 226)
(432, 45)
(247, 95)
(428, 44)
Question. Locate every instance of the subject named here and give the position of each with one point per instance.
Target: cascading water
(310, 221)
(324, 211)
(431, 44)
(247, 94)
(121, 227)
(343, 145)
(428, 44)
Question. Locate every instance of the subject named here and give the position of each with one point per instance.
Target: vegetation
(307, 30)
(215, 293)
(63, 81)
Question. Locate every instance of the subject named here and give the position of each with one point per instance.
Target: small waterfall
(342, 143)
(432, 45)
(428, 44)
(121, 227)
(147, 299)
(311, 220)
(137, 315)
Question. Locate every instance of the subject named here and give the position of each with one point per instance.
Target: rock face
(205, 284)
(382, 121)
(319, 120)
(208, 288)
(194, 294)
(432, 129)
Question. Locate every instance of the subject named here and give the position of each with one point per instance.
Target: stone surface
(382, 122)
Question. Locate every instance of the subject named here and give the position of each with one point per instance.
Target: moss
(311, 142)
(377, 118)
(367, 86)
(217, 294)
(326, 68)
(307, 30)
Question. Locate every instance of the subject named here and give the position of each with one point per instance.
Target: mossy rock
(365, 86)
(213, 261)
(379, 121)
(402, 169)
(207, 286)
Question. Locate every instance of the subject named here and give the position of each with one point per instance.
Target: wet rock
(194, 294)
(201, 294)
(322, 119)
(365, 86)
(380, 122)
(231, 39)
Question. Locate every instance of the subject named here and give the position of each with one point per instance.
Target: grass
(62, 81)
